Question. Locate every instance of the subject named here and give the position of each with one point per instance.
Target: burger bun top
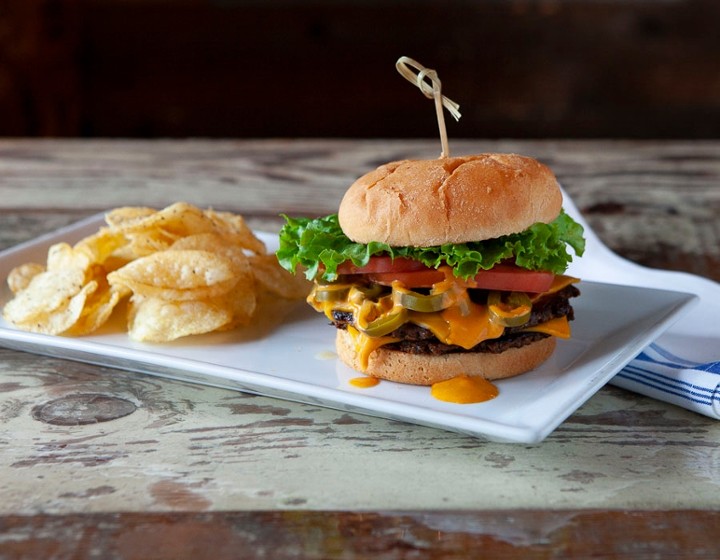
(423, 203)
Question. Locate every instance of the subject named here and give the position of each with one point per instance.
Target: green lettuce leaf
(320, 245)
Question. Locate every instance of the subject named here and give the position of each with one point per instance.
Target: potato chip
(270, 276)
(99, 305)
(101, 245)
(60, 319)
(97, 310)
(156, 320)
(187, 271)
(236, 230)
(62, 256)
(20, 276)
(119, 218)
(116, 260)
(210, 241)
(147, 242)
(241, 301)
(177, 220)
(182, 219)
(46, 293)
(177, 275)
(217, 244)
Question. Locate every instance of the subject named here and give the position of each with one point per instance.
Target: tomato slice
(501, 277)
(511, 278)
(381, 265)
(413, 274)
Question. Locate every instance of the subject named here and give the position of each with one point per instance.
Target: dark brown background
(264, 68)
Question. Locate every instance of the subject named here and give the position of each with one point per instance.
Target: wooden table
(192, 472)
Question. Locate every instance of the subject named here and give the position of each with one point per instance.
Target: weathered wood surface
(452, 535)
(123, 442)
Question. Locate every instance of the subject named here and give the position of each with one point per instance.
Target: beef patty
(419, 340)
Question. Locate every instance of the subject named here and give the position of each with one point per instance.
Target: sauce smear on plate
(464, 390)
(364, 382)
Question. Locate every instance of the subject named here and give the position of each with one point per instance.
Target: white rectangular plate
(295, 359)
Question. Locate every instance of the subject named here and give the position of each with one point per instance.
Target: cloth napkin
(660, 374)
(682, 366)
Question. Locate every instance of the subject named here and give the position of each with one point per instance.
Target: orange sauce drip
(364, 382)
(464, 390)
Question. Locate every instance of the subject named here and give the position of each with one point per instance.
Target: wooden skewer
(432, 90)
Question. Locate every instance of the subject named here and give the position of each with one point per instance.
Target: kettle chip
(182, 271)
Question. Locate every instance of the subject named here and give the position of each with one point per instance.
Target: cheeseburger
(434, 269)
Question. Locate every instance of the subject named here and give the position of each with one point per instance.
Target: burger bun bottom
(426, 369)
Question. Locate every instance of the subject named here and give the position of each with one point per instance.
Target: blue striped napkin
(682, 366)
(659, 373)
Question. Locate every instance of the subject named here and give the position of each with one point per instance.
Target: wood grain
(530, 535)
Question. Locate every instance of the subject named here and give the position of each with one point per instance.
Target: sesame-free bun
(423, 203)
(426, 369)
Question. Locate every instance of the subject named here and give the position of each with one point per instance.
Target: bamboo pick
(432, 90)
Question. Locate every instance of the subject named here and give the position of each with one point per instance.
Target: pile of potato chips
(180, 270)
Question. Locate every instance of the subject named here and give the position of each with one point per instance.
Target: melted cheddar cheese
(366, 345)
(464, 327)
(464, 323)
